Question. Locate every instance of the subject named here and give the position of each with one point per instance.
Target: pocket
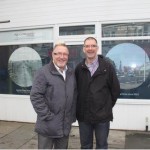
(50, 91)
(53, 127)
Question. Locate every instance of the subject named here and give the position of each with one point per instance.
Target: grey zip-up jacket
(54, 101)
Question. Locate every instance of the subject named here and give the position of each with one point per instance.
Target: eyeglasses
(90, 46)
(61, 54)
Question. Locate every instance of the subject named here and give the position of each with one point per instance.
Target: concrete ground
(17, 135)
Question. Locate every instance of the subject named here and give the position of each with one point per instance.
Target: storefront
(125, 42)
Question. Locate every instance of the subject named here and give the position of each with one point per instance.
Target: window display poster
(132, 64)
(18, 64)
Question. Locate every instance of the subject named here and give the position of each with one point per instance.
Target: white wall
(22, 13)
(128, 114)
(131, 114)
(16, 108)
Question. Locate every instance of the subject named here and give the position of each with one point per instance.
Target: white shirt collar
(62, 72)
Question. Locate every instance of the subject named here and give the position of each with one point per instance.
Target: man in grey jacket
(53, 96)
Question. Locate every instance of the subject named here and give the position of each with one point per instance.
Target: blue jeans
(101, 135)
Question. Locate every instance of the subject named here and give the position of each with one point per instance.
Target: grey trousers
(52, 143)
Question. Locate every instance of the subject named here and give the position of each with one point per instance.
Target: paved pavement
(17, 135)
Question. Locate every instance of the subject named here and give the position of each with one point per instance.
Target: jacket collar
(53, 69)
(102, 65)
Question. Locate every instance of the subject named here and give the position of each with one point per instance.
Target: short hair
(60, 44)
(90, 38)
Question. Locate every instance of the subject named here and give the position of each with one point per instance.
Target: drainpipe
(146, 124)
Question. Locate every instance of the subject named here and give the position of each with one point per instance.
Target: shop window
(76, 55)
(126, 29)
(77, 30)
(20, 61)
(18, 64)
(131, 58)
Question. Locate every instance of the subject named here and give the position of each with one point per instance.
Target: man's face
(60, 56)
(90, 48)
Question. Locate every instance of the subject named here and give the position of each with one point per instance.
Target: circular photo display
(131, 63)
(22, 65)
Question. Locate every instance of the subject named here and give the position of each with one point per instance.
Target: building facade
(30, 28)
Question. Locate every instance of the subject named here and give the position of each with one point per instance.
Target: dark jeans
(52, 143)
(101, 134)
